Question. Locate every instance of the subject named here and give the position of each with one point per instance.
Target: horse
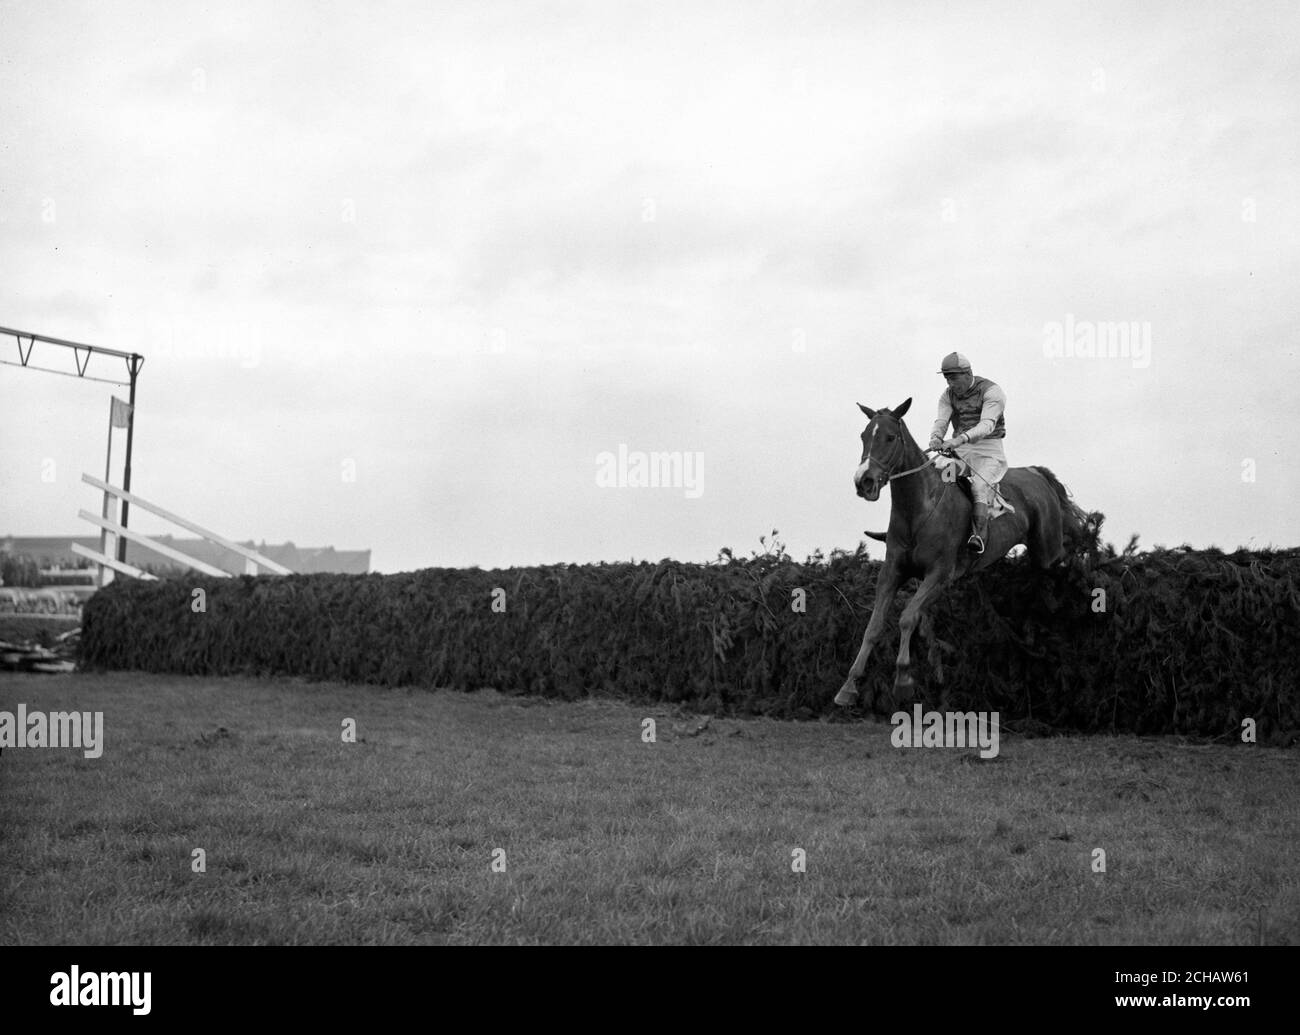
(929, 520)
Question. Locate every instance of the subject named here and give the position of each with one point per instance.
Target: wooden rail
(254, 562)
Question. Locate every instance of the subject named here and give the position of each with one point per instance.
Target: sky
(412, 277)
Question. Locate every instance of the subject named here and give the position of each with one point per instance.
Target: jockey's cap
(954, 362)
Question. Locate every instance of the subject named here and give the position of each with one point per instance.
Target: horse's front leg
(886, 586)
(933, 583)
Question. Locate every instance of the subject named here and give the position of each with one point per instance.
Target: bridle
(897, 450)
(903, 474)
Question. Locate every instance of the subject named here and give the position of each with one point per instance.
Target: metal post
(133, 365)
(134, 361)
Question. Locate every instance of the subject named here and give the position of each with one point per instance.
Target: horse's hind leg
(886, 586)
(933, 583)
(1046, 545)
(1046, 532)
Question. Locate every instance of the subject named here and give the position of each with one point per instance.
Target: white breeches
(989, 463)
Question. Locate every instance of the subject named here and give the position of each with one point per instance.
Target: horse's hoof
(904, 680)
(846, 696)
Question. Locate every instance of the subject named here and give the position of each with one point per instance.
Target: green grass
(611, 840)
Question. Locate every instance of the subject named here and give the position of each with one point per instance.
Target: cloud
(478, 244)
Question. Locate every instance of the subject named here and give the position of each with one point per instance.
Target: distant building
(56, 551)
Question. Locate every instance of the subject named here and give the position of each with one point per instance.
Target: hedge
(1187, 641)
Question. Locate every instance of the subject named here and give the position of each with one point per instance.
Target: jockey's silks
(967, 406)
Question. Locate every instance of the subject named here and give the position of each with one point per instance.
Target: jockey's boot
(979, 528)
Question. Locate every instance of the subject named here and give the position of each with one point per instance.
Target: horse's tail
(1081, 528)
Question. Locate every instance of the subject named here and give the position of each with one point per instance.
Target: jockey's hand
(949, 444)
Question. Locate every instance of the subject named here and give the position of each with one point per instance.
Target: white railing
(254, 562)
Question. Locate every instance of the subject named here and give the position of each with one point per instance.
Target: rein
(934, 507)
(970, 468)
(903, 474)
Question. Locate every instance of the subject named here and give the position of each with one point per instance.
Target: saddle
(966, 482)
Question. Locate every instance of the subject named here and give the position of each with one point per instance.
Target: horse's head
(883, 448)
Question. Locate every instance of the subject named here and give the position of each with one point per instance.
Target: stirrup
(975, 544)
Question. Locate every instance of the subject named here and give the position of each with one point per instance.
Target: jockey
(975, 406)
